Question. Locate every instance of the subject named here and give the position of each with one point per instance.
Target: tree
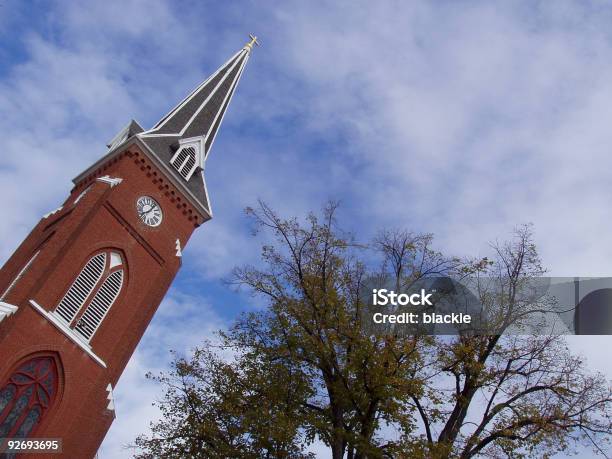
(305, 368)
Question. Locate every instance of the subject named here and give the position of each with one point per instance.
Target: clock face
(149, 211)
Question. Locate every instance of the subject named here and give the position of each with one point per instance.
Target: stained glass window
(26, 396)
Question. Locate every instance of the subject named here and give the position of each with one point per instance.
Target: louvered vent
(99, 306)
(184, 161)
(81, 288)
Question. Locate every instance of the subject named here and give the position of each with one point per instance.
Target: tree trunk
(337, 447)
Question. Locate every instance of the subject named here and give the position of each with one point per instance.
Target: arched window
(92, 294)
(27, 395)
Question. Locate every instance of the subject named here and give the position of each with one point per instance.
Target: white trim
(210, 210)
(112, 181)
(107, 155)
(173, 134)
(120, 138)
(19, 275)
(110, 398)
(229, 95)
(175, 155)
(59, 324)
(181, 104)
(6, 310)
(192, 140)
(115, 260)
(80, 196)
(212, 94)
(196, 113)
(47, 215)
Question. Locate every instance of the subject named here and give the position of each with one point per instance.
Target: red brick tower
(79, 292)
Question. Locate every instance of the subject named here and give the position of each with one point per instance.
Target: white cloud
(471, 116)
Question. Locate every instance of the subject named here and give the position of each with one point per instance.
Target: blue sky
(459, 118)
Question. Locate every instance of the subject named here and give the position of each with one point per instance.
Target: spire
(183, 138)
(181, 141)
(201, 112)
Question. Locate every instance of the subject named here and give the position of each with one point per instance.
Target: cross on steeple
(253, 41)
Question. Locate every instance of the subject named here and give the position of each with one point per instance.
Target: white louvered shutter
(78, 292)
(99, 306)
(185, 161)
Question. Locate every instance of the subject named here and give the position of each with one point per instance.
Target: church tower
(79, 292)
